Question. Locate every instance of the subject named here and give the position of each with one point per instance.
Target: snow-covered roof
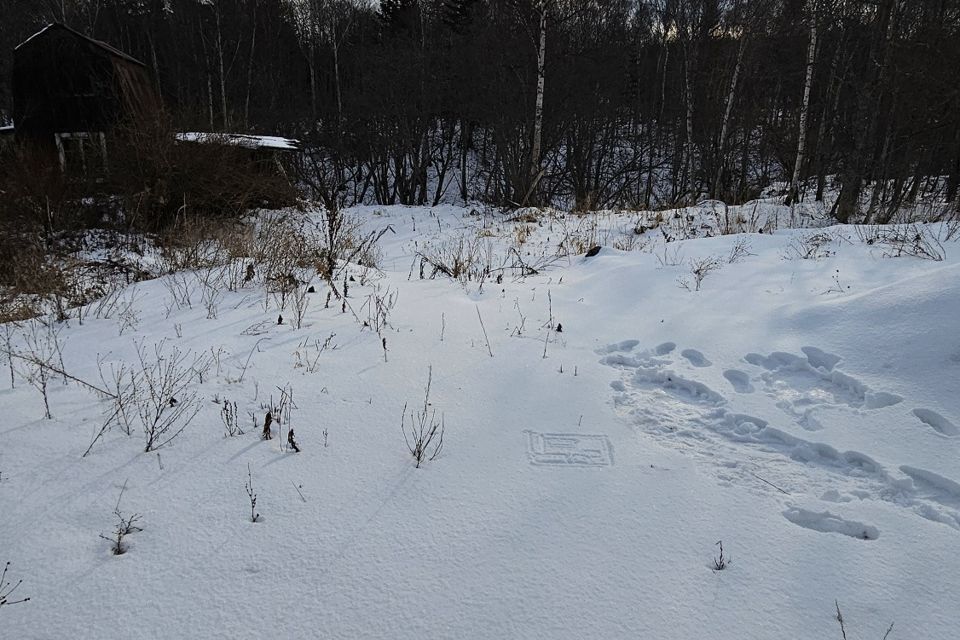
(6, 130)
(241, 140)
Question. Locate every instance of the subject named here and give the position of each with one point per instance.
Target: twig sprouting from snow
(722, 562)
(489, 350)
(843, 629)
(7, 589)
(298, 490)
(254, 516)
(246, 364)
(843, 626)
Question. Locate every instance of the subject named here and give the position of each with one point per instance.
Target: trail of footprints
(688, 414)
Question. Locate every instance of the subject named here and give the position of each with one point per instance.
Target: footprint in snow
(936, 422)
(739, 379)
(695, 358)
(826, 522)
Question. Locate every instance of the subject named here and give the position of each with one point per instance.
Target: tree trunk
(253, 44)
(687, 166)
(725, 127)
(311, 64)
(223, 80)
(535, 150)
(794, 194)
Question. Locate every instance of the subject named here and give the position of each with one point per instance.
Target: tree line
(580, 103)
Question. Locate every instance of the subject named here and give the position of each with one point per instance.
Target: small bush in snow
(915, 240)
(739, 251)
(124, 527)
(700, 268)
(458, 258)
(43, 352)
(424, 435)
(230, 418)
(165, 396)
(721, 562)
(810, 246)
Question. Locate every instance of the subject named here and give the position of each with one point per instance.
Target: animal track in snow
(662, 396)
(827, 522)
(936, 422)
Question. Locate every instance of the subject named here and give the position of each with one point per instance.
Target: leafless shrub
(739, 251)
(165, 398)
(167, 181)
(424, 435)
(815, 245)
(837, 286)
(124, 527)
(458, 258)
(192, 244)
(128, 314)
(379, 304)
(284, 246)
(181, 287)
(898, 240)
(579, 234)
(278, 413)
(120, 381)
(230, 418)
(299, 302)
(211, 291)
(107, 305)
(951, 226)
(283, 413)
(42, 355)
(671, 256)
(7, 588)
(700, 268)
(307, 355)
(119, 386)
(8, 330)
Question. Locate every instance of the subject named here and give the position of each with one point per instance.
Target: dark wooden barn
(70, 91)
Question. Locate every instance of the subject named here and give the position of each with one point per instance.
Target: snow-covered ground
(806, 412)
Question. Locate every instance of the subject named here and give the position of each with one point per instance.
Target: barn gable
(69, 90)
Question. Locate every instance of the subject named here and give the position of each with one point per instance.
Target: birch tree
(794, 193)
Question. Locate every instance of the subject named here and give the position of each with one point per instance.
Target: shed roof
(241, 140)
(97, 43)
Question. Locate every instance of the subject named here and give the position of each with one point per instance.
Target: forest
(585, 104)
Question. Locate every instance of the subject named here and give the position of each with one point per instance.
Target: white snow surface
(813, 428)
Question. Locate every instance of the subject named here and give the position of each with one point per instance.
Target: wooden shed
(70, 91)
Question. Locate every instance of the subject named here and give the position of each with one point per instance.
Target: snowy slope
(810, 423)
